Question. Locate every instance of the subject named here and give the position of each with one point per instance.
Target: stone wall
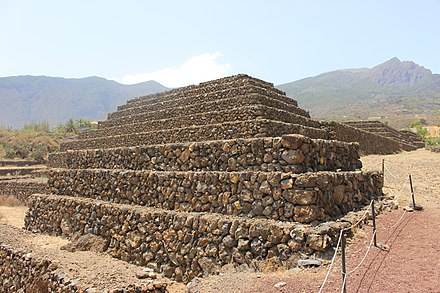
(209, 105)
(290, 153)
(182, 245)
(242, 90)
(273, 195)
(384, 130)
(230, 130)
(236, 114)
(369, 143)
(22, 189)
(17, 163)
(223, 84)
(20, 271)
(187, 111)
(414, 138)
(20, 171)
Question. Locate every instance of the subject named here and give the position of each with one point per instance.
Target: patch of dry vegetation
(36, 140)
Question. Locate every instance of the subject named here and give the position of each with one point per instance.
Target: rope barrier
(398, 221)
(337, 246)
(360, 220)
(343, 284)
(332, 262)
(386, 168)
(365, 256)
(399, 193)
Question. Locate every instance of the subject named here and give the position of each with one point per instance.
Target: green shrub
(418, 122)
(432, 141)
(17, 149)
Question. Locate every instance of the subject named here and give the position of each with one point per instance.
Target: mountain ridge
(27, 99)
(395, 91)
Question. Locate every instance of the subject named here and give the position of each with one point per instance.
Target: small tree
(71, 126)
(418, 122)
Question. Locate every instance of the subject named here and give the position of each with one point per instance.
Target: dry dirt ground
(411, 264)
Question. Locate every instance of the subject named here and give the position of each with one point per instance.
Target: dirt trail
(424, 167)
(13, 216)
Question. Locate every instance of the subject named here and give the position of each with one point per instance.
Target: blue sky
(184, 42)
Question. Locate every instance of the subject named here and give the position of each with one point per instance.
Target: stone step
(387, 132)
(226, 91)
(222, 131)
(380, 129)
(291, 153)
(188, 111)
(413, 138)
(369, 143)
(273, 195)
(22, 189)
(15, 171)
(209, 105)
(211, 86)
(180, 245)
(17, 163)
(235, 114)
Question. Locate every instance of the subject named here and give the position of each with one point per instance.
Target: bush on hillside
(35, 140)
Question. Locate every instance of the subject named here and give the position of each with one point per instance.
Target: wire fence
(372, 243)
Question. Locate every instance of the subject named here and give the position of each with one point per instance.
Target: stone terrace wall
(410, 136)
(230, 130)
(183, 245)
(197, 97)
(187, 111)
(18, 163)
(369, 143)
(209, 87)
(380, 129)
(236, 114)
(20, 171)
(291, 153)
(281, 196)
(20, 271)
(22, 189)
(211, 105)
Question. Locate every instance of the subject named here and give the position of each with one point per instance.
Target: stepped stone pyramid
(408, 140)
(186, 181)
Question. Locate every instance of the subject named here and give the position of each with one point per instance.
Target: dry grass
(9, 201)
(1, 216)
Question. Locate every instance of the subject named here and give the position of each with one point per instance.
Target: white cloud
(197, 69)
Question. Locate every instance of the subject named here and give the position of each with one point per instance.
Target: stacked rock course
(408, 142)
(186, 181)
(22, 178)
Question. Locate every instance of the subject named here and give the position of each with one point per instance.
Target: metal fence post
(412, 193)
(374, 222)
(344, 270)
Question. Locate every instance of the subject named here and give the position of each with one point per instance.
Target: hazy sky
(183, 42)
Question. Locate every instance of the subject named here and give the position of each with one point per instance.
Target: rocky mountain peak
(399, 73)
